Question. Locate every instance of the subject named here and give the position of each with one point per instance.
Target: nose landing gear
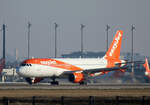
(54, 82)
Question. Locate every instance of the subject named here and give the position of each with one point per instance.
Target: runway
(23, 85)
(73, 90)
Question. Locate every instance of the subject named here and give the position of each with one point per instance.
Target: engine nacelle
(76, 77)
(33, 80)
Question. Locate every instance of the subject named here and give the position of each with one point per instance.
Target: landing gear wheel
(83, 83)
(54, 83)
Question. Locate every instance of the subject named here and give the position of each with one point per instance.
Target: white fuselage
(37, 70)
(40, 67)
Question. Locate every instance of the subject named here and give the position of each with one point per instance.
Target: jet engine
(76, 77)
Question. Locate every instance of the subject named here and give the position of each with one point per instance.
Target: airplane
(146, 65)
(77, 70)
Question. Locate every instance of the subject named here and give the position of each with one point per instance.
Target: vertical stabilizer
(146, 65)
(114, 49)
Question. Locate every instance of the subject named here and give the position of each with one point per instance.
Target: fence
(91, 100)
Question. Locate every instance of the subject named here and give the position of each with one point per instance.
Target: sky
(69, 15)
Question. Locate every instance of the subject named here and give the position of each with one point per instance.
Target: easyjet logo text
(115, 45)
(50, 62)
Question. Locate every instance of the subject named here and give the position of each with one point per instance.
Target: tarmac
(23, 85)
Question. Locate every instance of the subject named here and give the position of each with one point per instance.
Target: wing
(104, 69)
(88, 71)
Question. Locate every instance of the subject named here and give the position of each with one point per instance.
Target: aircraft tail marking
(114, 49)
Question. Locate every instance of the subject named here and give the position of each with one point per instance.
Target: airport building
(9, 75)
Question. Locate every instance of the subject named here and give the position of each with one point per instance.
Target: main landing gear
(83, 83)
(86, 78)
(54, 82)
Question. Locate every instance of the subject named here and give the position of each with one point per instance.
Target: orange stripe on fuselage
(111, 63)
(52, 63)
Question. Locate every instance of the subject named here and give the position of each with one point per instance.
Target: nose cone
(21, 71)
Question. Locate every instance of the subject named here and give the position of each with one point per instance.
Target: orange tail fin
(114, 49)
(146, 65)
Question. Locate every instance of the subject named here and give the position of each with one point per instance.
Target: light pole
(56, 26)
(132, 29)
(4, 47)
(107, 28)
(29, 26)
(82, 27)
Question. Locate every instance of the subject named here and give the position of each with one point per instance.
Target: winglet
(146, 65)
(114, 49)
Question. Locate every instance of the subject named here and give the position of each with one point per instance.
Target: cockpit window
(23, 64)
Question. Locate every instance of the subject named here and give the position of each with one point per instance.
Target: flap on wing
(104, 69)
